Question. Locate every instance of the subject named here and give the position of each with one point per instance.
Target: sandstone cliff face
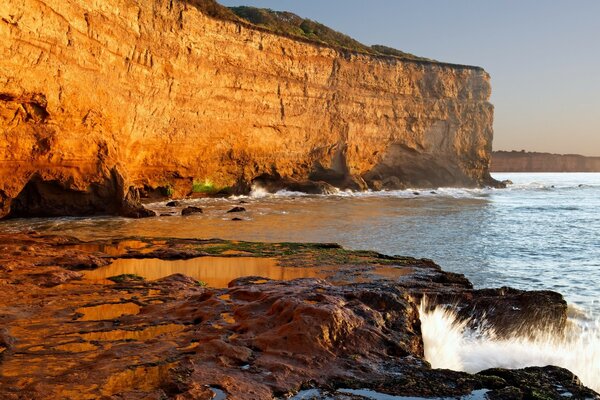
(520, 161)
(99, 99)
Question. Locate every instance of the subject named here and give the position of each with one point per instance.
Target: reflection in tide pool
(214, 271)
(543, 232)
(107, 311)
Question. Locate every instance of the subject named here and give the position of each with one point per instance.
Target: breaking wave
(450, 344)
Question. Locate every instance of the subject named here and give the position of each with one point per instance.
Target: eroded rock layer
(161, 95)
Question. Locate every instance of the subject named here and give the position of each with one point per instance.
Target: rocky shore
(104, 102)
(347, 326)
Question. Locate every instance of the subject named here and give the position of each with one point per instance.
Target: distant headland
(523, 161)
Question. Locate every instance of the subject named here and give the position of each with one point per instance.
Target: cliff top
(290, 24)
(293, 26)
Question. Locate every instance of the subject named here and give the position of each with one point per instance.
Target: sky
(543, 56)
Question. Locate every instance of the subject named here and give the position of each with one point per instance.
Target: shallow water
(316, 394)
(450, 344)
(543, 232)
(215, 272)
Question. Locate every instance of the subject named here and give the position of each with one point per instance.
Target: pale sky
(543, 56)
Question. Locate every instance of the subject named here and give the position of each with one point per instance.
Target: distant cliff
(520, 161)
(103, 102)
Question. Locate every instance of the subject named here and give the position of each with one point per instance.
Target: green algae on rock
(356, 326)
(266, 107)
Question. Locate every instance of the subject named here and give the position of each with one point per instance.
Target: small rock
(236, 219)
(173, 203)
(416, 193)
(507, 182)
(243, 202)
(137, 212)
(167, 214)
(6, 341)
(55, 277)
(237, 209)
(433, 192)
(191, 210)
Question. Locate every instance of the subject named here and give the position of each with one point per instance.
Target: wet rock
(109, 194)
(275, 183)
(518, 312)
(77, 261)
(191, 210)
(6, 340)
(166, 254)
(510, 312)
(237, 209)
(259, 338)
(138, 212)
(538, 383)
(236, 219)
(55, 277)
(173, 203)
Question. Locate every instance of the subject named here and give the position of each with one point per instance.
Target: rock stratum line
(101, 102)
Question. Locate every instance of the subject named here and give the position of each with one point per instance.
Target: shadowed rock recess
(351, 322)
(104, 102)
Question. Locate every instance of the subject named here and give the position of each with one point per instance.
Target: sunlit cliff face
(152, 95)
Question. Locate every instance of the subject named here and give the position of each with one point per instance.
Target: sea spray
(451, 343)
(258, 192)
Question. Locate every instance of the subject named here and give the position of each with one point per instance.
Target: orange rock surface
(100, 99)
(352, 322)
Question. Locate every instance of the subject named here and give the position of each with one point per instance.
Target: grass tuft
(204, 187)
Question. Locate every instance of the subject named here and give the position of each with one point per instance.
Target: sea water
(450, 344)
(542, 232)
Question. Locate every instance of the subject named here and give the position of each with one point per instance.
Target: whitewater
(540, 233)
(449, 343)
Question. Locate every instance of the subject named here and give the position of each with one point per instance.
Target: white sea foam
(258, 192)
(450, 344)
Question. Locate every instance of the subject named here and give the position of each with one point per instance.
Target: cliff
(520, 161)
(101, 102)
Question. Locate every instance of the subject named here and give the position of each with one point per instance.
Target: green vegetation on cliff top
(289, 24)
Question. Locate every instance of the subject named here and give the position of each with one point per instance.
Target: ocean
(542, 232)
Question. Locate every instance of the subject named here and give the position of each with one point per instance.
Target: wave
(258, 192)
(449, 343)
